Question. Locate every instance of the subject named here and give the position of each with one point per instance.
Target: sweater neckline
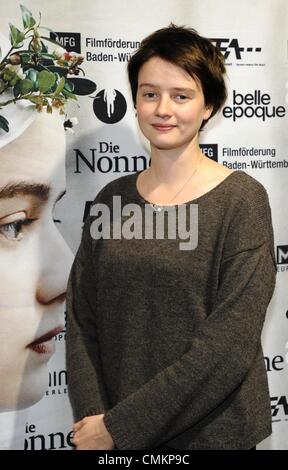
(203, 196)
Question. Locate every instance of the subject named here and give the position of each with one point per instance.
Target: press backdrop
(250, 134)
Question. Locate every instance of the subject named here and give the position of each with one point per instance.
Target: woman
(35, 260)
(164, 345)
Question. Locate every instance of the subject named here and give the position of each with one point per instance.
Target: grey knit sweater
(167, 342)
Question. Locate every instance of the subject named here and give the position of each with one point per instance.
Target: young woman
(34, 258)
(163, 343)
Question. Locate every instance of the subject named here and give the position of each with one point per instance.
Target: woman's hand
(91, 434)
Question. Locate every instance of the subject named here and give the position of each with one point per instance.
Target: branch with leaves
(33, 74)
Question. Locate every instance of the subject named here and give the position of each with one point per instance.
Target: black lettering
(80, 155)
(52, 441)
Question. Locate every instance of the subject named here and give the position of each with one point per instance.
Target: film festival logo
(210, 150)
(282, 257)
(109, 105)
(70, 41)
(228, 46)
(279, 407)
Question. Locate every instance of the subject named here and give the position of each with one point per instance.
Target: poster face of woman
(34, 259)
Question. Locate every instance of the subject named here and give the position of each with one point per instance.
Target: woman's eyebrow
(22, 188)
(148, 84)
(183, 89)
(186, 90)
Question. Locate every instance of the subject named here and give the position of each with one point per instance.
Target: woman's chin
(27, 394)
(30, 400)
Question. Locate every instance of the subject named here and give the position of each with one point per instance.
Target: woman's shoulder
(233, 187)
(245, 201)
(235, 180)
(243, 186)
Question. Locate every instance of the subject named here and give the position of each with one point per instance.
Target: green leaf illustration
(27, 17)
(60, 87)
(67, 94)
(16, 36)
(69, 86)
(26, 86)
(32, 74)
(46, 80)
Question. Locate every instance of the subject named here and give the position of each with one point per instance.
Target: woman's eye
(14, 230)
(57, 221)
(181, 97)
(150, 94)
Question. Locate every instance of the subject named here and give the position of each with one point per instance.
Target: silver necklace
(159, 207)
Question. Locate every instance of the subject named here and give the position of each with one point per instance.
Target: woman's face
(170, 105)
(34, 259)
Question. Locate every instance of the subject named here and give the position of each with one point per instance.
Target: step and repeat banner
(36, 251)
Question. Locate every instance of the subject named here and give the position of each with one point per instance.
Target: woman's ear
(208, 111)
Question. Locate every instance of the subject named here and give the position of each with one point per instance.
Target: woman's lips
(45, 344)
(163, 127)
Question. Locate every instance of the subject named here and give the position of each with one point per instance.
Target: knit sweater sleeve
(85, 383)
(223, 346)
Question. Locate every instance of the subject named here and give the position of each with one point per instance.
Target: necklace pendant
(156, 207)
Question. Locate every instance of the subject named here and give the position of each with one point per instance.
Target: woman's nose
(164, 107)
(56, 260)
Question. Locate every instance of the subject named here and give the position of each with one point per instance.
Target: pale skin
(168, 96)
(170, 108)
(35, 260)
(91, 434)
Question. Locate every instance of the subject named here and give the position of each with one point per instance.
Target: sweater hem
(245, 444)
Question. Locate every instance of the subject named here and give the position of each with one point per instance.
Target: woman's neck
(170, 166)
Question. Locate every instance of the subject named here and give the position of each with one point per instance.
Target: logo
(279, 405)
(231, 46)
(57, 383)
(128, 221)
(253, 105)
(210, 150)
(109, 106)
(111, 48)
(282, 254)
(70, 41)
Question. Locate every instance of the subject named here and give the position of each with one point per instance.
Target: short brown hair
(184, 47)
